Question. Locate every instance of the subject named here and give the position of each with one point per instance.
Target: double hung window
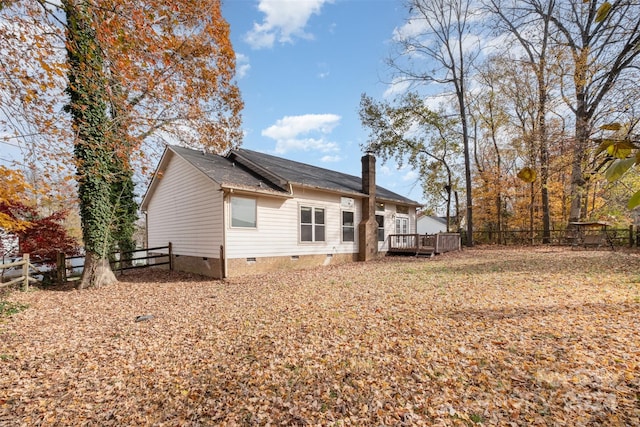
(348, 227)
(380, 221)
(312, 225)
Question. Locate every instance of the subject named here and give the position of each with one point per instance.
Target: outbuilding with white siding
(250, 212)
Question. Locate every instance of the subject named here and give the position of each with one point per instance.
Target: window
(380, 221)
(311, 224)
(243, 212)
(348, 227)
(402, 210)
(379, 207)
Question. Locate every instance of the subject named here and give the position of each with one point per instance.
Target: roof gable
(225, 171)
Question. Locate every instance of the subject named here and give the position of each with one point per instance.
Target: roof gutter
(234, 189)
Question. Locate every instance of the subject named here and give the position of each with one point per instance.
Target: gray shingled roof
(230, 170)
(224, 171)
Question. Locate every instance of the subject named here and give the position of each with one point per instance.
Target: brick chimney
(368, 227)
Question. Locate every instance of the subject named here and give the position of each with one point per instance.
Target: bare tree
(533, 34)
(410, 131)
(438, 47)
(603, 49)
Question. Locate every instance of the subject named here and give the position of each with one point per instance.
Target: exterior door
(402, 227)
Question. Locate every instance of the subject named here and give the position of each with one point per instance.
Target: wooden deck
(423, 244)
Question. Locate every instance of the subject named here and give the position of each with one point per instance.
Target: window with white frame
(243, 212)
(402, 210)
(348, 227)
(311, 224)
(380, 221)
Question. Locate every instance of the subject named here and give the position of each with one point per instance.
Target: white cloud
(324, 70)
(410, 176)
(412, 28)
(242, 65)
(330, 159)
(305, 144)
(384, 170)
(398, 86)
(303, 133)
(284, 20)
(291, 126)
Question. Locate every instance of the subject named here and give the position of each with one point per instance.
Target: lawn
(485, 336)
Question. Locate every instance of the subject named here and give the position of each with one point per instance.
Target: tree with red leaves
(43, 236)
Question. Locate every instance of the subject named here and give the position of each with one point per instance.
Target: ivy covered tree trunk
(126, 212)
(122, 185)
(92, 151)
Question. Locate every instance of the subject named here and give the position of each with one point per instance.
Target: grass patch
(8, 309)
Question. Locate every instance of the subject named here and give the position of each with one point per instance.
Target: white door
(402, 227)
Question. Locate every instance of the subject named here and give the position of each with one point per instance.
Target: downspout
(223, 249)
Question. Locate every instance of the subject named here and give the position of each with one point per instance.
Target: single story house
(429, 224)
(249, 212)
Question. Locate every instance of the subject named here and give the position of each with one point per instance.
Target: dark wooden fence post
(631, 236)
(170, 257)
(222, 272)
(61, 267)
(25, 272)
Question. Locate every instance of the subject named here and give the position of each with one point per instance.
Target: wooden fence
(619, 237)
(24, 278)
(121, 261)
(65, 267)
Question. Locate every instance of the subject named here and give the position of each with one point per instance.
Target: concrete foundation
(243, 266)
(246, 266)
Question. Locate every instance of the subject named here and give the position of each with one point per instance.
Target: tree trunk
(448, 188)
(532, 200)
(93, 152)
(97, 272)
(578, 182)
(544, 146)
(467, 162)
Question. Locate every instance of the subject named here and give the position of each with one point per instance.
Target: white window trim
(313, 224)
(235, 227)
(384, 229)
(342, 226)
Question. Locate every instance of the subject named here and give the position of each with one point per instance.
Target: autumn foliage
(42, 236)
(13, 189)
(134, 76)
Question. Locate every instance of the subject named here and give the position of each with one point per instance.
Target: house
(250, 212)
(429, 224)
(9, 244)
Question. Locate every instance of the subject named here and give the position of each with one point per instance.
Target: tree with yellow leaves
(13, 190)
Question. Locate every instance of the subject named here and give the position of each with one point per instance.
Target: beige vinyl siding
(186, 210)
(278, 225)
(390, 223)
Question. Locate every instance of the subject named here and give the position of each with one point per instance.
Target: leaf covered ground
(484, 336)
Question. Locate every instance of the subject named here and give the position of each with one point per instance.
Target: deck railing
(424, 243)
(447, 242)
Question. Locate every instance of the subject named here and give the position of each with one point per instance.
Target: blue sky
(302, 67)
